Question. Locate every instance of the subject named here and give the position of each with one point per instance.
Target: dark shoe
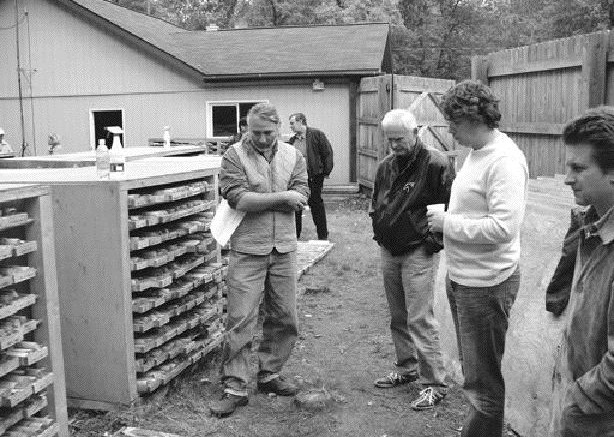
(428, 398)
(227, 405)
(394, 379)
(279, 386)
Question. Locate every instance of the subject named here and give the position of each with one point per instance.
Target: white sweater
(487, 204)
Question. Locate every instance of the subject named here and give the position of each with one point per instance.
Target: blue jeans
(481, 317)
(249, 276)
(408, 282)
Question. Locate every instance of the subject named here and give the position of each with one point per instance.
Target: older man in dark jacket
(407, 180)
(316, 149)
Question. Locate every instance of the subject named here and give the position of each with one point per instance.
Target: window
(101, 118)
(224, 117)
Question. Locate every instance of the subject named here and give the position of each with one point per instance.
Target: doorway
(101, 118)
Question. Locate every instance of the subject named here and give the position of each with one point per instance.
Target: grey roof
(292, 51)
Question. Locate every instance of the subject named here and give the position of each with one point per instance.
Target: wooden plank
(542, 128)
(498, 69)
(369, 120)
(353, 127)
(95, 336)
(48, 306)
(9, 192)
(479, 68)
(594, 68)
(420, 84)
(368, 152)
(366, 183)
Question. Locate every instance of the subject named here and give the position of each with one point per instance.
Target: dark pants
(481, 317)
(316, 204)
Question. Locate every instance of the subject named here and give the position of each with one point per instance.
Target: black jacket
(319, 152)
(400, 196)
(559, 288)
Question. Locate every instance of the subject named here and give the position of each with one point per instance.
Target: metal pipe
(31, 73)
(23, 128)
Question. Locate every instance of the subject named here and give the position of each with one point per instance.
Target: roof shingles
(354, 49)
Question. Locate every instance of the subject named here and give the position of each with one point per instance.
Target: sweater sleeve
(593, 392)
(505, 196)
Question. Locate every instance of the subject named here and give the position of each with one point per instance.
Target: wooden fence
(377, 95)
(542, 86)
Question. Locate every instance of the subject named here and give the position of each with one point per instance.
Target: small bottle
(166, 137)
(103, 162)
(116, 155)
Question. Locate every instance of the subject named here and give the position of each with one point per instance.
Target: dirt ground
(344, 346)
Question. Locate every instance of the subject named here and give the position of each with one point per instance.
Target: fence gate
(377, 95)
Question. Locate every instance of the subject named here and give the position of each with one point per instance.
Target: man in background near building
(316, 149)
(5, 148)
(268, 179)
(406, 181)
(242, 131)
(583, 378)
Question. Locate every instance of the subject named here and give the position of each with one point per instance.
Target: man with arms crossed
(267, 179)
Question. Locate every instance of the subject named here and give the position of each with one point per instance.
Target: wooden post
(594, 68)
(479, 69)
(353, 102)
(385, 91)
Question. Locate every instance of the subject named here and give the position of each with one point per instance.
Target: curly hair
(472, 101)
(594, 127)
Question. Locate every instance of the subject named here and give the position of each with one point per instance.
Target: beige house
(87, 64)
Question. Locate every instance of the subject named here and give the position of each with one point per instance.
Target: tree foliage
(434, 38)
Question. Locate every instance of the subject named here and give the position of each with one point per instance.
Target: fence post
(385, 92)
(594, 68)
(479, 68)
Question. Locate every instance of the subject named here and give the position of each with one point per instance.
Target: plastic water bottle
(117, 158)
(103, 162)
(166, 137)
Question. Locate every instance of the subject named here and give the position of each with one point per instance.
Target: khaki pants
(249, 276)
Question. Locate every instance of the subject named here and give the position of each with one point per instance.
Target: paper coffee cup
(436, 207)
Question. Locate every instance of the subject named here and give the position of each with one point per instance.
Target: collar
(412, 155)
(604, 227)
(301, 135)
(599, 226)
(251, 145)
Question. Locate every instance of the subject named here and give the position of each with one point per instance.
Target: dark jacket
(319, 152)
(583, 377)
(400, 196)
(559, 288)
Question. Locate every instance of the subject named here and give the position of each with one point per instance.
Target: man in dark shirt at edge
(316, 149)
(407, 180)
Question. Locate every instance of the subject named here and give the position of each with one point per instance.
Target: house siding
(77, 66)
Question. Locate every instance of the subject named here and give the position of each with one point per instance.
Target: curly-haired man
(481, 232)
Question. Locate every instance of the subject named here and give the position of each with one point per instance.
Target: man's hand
(295, 200)
(435, 220)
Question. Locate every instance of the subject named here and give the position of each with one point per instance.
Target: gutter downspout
(391, 65)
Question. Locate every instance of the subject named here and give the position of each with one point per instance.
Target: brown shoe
(279, 386)
(227, 405)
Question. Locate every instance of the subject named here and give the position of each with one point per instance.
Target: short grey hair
(399, 118)
(264, 111)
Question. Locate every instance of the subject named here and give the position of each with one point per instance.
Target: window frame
(235, 103)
